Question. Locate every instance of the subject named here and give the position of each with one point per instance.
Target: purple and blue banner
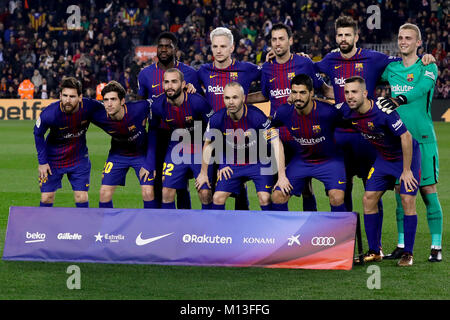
(308, 240)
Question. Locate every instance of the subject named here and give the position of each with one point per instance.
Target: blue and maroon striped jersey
(276, 78)
(129, 137)
(151, 78)
(312, 134)
(367, 64)
(65, 145)
(244, 134)
(214, 80)
(379, 128)
(194, 108)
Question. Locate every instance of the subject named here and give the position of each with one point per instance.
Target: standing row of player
(176, 111)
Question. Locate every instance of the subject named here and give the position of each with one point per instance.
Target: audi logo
(323, 241)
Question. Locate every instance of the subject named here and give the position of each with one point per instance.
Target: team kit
(203, 125)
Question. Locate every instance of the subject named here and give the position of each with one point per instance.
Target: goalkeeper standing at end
(412, 85)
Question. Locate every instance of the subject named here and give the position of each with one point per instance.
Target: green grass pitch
(39, 280)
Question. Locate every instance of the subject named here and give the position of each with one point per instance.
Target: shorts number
(167, 169)
(107, 168)
(370, 173)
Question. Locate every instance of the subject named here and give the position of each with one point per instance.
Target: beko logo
(35, 237)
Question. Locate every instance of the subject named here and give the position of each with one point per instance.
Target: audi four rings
(323, 241)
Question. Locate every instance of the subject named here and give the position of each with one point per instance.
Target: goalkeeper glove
(388, 105)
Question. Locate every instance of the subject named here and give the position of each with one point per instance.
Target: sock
(266, 208)
(152, 204)
(108, 204)
(348, 200)
(218, 206)
(309, 203)
(280, 206)
(169, 205)
(241, 202)
(208, 206)
(371, 226)
(400, 213)
(42, 204)
(410, 226)
(340, 208)
(434, 218)
(183, 199)
(380, 222)
(82, 204)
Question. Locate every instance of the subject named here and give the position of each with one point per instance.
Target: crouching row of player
(311, 148)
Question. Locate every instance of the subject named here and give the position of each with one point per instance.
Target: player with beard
(64, 150)
(350, 61)
(398, 157)
(150, 81)
(311, 124)
(183, 113)
(275, 87)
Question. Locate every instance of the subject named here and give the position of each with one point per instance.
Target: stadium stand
(36, 43)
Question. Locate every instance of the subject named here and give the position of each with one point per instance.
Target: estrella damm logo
(132, 128)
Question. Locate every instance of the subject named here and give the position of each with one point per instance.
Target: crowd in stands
(37, 44)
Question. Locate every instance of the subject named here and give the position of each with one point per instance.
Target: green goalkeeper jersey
(416, 83)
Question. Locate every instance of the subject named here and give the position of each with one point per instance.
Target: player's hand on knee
(44, 170)
(201, 180)
(408, 180)
(388, 105)
(143, 174)
(225, 173)
(284, 184)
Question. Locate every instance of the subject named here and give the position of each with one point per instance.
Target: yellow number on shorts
(107, 168)
(167, 169)
(370, 173)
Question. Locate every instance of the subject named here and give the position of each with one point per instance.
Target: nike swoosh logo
(213, 76)
(341, 182)
(354, 122)
(63, 128)
(168, 120)
(268, 187)
(271, 80)
(155, 85)
(141, 242)
(337, 67)
(295, 128)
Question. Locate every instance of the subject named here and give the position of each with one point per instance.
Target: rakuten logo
(278, 93)
(194, 238)
(35, 237)
(216, 89)
(339, 81)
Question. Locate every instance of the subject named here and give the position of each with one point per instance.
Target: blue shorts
(359, 154)
(176, 176)
(244, 173)
(116, 169)
(330, 173)
(384, 174)
(78, 175)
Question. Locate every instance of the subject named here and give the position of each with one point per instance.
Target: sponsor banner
(308, 240)
(22, 109)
